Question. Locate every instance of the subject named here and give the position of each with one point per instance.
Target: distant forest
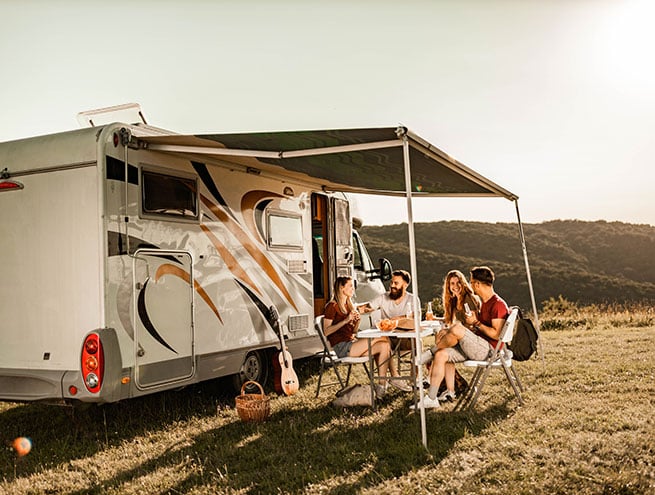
(584, 262)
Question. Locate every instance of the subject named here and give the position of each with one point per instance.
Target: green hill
(585, 262)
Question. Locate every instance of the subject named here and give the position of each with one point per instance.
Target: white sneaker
(428, 403)
(447, 395)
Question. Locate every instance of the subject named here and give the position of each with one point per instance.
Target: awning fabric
(349, 160)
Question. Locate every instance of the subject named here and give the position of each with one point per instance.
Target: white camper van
(127, 270)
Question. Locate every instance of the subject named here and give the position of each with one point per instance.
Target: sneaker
(401, 384)
(428, 403)
(380, 391)
(447, 395)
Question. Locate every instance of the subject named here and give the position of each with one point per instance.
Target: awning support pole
(414, 271)
(527, 271)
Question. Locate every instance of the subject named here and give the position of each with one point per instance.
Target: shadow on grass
(61, 434)
(297, 446)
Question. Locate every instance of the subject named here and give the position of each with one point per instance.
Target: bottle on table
(429, 315)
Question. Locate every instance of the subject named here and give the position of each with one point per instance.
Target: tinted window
(169, 195)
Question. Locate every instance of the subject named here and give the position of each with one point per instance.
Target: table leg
(413, 372)
(371, 374)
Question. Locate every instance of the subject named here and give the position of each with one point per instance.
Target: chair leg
(510, 378)
(350, 368)
(464, 400)
(336, 372)
(478, 388)
(516, 377)
(320, 376)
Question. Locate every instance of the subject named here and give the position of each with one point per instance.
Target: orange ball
(23, 445)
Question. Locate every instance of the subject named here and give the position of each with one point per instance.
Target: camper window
(284, 230)
(169, 195)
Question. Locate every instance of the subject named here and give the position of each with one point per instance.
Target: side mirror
(384, 272)
(385, 269)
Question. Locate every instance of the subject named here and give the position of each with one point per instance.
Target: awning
(349, 160)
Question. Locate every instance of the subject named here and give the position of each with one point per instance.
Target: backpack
(524, 341)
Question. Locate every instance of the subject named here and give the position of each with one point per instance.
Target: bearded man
(397, 304)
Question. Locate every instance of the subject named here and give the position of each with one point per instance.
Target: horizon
(561, 220)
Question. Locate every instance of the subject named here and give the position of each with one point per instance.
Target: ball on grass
(22, 445)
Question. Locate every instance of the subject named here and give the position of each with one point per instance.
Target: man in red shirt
(458, 343)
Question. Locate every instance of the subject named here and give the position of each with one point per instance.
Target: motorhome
(129, 269)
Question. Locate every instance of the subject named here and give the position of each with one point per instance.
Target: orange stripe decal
(168, 269)
(248, 203)
(245, 241)
(230, 261)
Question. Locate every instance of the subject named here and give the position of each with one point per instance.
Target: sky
(553, 100)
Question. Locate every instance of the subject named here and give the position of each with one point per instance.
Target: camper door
(331, 245)
(342, 237)
(163, 317)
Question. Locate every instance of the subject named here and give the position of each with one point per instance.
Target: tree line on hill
(584, 262)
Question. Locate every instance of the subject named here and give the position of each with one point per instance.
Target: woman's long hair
(450, 302)
(338, 284)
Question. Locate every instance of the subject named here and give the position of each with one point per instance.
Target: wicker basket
(252, 408)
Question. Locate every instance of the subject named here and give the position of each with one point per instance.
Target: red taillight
(92, 363)
(10, 185)
(91, 346)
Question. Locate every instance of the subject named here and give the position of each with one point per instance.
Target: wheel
(254, 368)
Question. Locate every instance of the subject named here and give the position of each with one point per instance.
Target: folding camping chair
(500, 357)
(330, 359)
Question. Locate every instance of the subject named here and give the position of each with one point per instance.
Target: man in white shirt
(397, 304)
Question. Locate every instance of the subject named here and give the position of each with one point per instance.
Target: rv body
(127, 271)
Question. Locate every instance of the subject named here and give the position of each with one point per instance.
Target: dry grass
(587, 427)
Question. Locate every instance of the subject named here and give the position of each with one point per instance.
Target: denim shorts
(342, 349)
(470, 346)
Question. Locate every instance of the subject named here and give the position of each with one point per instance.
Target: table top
(373, 333)
(436, 324)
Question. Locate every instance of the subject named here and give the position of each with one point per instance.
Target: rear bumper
(33, 385)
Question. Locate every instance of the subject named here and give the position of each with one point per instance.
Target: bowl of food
(386, 325)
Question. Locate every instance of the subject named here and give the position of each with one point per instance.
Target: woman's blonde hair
(450, 301)
(338, 284)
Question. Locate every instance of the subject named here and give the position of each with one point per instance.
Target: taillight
(10, 185)
(93, 363)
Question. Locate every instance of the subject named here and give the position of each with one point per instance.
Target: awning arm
(276, 155)
(527, 271)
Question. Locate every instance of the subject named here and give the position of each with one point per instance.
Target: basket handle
(243, 387)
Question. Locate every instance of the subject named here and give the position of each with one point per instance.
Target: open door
(331, 246)
(163, 317)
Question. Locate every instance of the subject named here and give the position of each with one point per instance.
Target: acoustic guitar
(288, 378)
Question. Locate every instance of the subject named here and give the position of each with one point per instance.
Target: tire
(255, 368)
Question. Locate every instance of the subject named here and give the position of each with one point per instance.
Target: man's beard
(395, 293)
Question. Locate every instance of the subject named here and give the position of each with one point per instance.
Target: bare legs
(381, 350)
(440, 366)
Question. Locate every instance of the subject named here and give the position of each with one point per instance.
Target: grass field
(587, 427)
